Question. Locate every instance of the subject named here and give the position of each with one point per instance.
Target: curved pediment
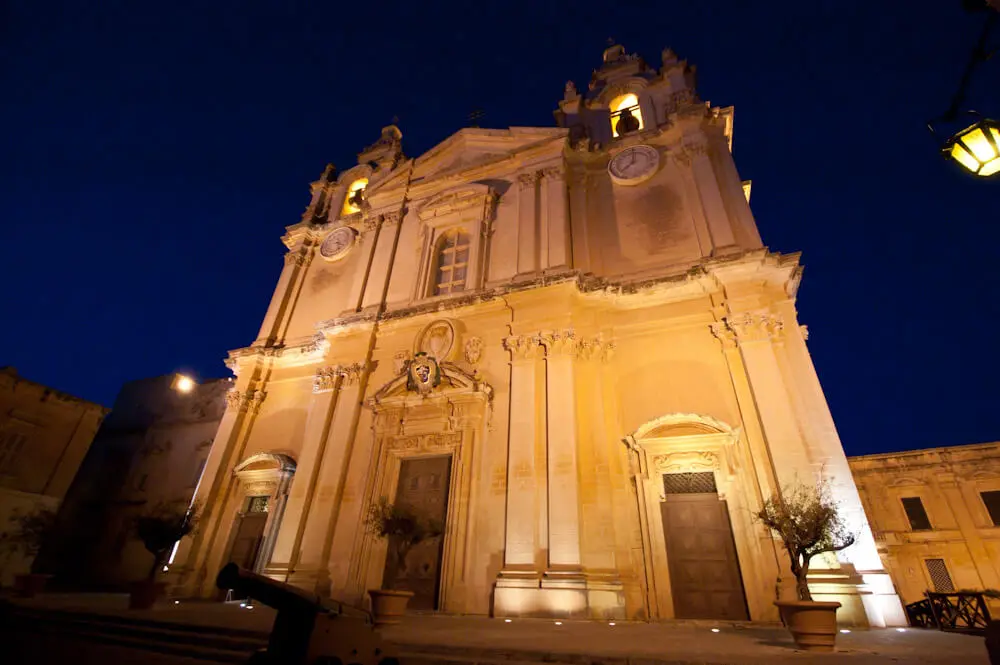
(682, 424)
(453, 380)
(267, 462)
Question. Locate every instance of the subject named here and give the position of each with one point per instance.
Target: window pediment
(473, 198)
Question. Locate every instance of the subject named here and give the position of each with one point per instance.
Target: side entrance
(423, 488)
(705, 578)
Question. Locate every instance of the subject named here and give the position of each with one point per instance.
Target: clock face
(338, 243)
(634, 165)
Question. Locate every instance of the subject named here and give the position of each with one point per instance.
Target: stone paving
(442, 639)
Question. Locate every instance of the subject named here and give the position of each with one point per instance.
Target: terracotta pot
(813, 624)
(389, 606)
(30, 584)
(143, 595)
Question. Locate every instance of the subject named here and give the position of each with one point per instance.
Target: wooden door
(704, 571)
(423, 487)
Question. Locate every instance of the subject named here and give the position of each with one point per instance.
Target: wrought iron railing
(954, 612)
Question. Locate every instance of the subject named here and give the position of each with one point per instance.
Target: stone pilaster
(275, 320)
(527, 249)
(555, 236)
(694, 153)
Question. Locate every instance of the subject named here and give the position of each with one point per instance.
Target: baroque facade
(44, 436)
(567, 344)
(936, 516)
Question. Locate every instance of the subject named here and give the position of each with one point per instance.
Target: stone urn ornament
(403, 530)
(807, 521)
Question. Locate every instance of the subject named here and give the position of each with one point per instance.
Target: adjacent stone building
(150, 450)
(44, 435)
(569, 344)
(935, 514)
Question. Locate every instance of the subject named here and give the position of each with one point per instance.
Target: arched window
(451, 263)
(355, 195)
(624, 105)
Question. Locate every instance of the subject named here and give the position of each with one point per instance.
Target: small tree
(404, 530)
(161, 527)
(807, 521)
(31, 531)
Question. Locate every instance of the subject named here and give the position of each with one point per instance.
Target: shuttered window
(992, 501)
(915, 512)
(940, 578)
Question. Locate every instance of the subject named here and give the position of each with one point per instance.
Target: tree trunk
(801, 583)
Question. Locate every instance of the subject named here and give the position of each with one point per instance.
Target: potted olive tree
(807, 521)
(30, 532)
(159, 529)
(403, 529)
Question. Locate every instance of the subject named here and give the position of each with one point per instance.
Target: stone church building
(569, 345)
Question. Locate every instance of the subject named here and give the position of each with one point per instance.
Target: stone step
(205, 643)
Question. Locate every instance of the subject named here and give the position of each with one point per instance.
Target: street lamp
(976, 147)
(183, 384)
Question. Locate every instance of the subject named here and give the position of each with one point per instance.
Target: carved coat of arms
(422, 373)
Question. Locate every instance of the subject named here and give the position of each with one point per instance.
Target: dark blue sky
(152, 153)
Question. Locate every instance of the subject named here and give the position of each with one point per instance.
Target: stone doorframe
(451, 421)
(264, 474)
(678, 443)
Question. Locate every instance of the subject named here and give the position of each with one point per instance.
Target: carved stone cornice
(299, 258)
(326, 378)
(552, 173)
(245, 402)
(527, 180)
(804, 329)
(426, 442)
(685, 461)
(742, 328)
(558, 342)
(523, 347)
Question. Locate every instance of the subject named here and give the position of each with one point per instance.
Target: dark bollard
(307, 630)
(993, 642)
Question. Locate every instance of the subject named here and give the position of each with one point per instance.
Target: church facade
(568, 345)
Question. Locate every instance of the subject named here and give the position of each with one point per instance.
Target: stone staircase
(34, 627)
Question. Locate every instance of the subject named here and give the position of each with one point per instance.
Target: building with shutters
(935, 514)
(568, 344)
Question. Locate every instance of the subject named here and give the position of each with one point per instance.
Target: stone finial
(570, 94)
(668, 57)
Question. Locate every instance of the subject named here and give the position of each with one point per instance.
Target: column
(696, 152)
(190, 561)
(557, 253)
(522, 499)
(563, 496)
(296, 261)
(303, 490)
(527, 235)
(314, 553)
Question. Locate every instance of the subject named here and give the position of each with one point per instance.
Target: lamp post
(976, 147)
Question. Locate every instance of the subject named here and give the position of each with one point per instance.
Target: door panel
(704, 570)
(423, 487)
(246, 544)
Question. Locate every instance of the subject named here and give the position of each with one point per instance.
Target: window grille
(258, 504)
(940, 579)
(915, 512)
(689, 483)
(452, 263)
(992, 501)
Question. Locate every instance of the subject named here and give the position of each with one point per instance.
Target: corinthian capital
(527, 180)
(522, 347)
(299, 258)
(245, 402)
(594, 348)
(558, 342)
(750, 327)
(552, 173)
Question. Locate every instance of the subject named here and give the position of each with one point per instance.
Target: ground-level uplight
(900, 630)
(977, 147)
(844, 630)
(506, 620)
(611, 623)
(715, 630)
(558, 623)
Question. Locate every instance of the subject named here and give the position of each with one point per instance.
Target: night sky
(151, 155)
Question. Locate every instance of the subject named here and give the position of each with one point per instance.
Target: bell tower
(660, 159)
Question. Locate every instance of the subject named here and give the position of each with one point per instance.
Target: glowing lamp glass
(184, 384)
(977, 148)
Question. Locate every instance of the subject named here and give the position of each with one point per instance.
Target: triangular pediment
(472, 147)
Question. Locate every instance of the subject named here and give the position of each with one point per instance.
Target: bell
(357, 197)
(627, 123)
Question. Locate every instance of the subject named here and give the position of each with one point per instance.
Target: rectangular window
(258, 504)
(992, 501)
(915, 512)
(940, 579)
